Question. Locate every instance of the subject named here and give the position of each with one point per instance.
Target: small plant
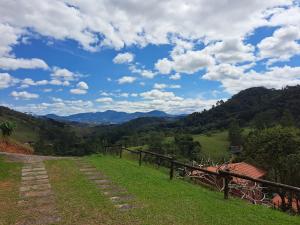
(7, 128)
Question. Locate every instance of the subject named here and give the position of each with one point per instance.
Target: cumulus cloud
(123, 58)
(81, 88)
(82, 85)
(231, 51)
(59, 82)
(189, 62)
(104, 100)
(159, 95)
(163, 86)
(235, 79)
(63, 74)
(143, 72)
(7, 63)
(282, 45)
(136, 23)
(6, 80)
(8, 38)
(23, 95)
(29, 82)
(126, 79)
(175, 76)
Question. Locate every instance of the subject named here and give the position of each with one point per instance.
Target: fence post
(121, 149)
(140, 157)
(172, 169)
(226, 187)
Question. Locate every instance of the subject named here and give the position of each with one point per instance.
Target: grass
(79, 201)
(178, 202)
(9, 189)
(214, 146)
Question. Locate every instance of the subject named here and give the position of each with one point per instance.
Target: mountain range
(110, 117)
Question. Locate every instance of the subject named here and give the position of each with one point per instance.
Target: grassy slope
(214, 146)
(178, 202)
(78, 200)
(9, 185)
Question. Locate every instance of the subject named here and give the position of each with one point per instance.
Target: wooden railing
(224, 175)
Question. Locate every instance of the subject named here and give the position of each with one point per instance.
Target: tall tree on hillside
(235, 134)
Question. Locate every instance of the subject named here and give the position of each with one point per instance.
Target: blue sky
(68, 56)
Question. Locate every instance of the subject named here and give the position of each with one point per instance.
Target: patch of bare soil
(8, 146)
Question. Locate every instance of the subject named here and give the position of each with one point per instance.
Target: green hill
(261, 104)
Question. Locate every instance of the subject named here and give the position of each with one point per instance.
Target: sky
(178, 56)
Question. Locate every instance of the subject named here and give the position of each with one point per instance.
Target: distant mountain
(110, 117)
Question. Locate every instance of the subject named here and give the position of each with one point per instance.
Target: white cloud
(282, 45)
(148, 74)
(59, 82)
(164, 66)
(175, 76)
(235, 79)
(6, 80)
(223, 71)
(126, 79)
(175, 86)
(63, 74)
(47, 90)
(8, 38)
(189, 62)
(231, 51)
(78, 91)
(23, 95)
(8, 63)
(136, 23)
(81, 88)
(143, 72)
(104, 100)
(82, 85)
(159, 86)
(163, 86)
(159, 95)
(29, 82)
(123, 58)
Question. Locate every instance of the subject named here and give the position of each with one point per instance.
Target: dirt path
(36, 201)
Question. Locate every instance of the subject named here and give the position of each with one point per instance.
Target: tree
(7, 128)
(287, 119)
(187, 147)
(235, 134)
(277, 150)
(155, 142)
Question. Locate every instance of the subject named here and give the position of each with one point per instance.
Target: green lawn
(9, 191)
(179, 202)
(214, 146)
(79, 201)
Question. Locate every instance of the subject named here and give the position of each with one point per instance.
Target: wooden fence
(290, 200)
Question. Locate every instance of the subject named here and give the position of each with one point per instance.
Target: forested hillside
(252, 106)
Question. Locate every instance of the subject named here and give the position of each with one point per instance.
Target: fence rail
(225, 177)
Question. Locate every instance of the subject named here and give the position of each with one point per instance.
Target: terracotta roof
(241, 168)
(277, 202)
